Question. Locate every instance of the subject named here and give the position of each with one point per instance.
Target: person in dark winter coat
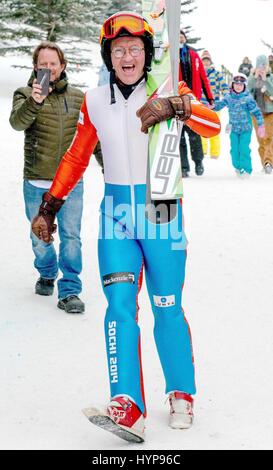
(245, 67)
(192, 71)
(49, 123)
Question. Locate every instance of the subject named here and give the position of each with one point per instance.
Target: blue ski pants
(240, 151)
(127, 248)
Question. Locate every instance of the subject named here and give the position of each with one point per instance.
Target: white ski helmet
(239, 78)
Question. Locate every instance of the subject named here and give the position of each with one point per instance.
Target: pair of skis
(164, 167)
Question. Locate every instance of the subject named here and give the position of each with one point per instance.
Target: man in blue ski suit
(133, 235)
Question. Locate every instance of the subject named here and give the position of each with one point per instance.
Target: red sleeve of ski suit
(203, 121)
(76, 158)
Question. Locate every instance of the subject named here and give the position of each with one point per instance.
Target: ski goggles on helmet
(239, 79)
(134, 24)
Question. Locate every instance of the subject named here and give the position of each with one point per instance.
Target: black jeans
(197, 154)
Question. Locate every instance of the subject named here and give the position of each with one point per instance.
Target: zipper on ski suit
(132, 188)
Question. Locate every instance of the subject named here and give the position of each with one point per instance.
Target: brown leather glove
(43, 224)
(161, 109)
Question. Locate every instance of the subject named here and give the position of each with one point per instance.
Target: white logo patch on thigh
(164, 300)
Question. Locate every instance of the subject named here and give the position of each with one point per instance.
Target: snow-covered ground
(53, 364)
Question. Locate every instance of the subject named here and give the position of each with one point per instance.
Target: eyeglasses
(133, 24)
(120, 52)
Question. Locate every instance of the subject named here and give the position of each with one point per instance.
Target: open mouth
(128, 69)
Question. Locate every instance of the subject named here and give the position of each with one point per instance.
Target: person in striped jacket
(219, 89)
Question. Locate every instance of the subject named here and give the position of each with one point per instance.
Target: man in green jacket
(49, 122)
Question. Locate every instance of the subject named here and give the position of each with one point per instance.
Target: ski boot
(122, 418)
(181, 410)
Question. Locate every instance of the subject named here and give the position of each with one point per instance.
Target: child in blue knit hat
(241, 105)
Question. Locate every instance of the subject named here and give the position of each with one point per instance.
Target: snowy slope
(53, 364)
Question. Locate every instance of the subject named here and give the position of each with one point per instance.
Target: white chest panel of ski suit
(124, 146)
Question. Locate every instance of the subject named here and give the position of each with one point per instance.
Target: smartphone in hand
(43, 77)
